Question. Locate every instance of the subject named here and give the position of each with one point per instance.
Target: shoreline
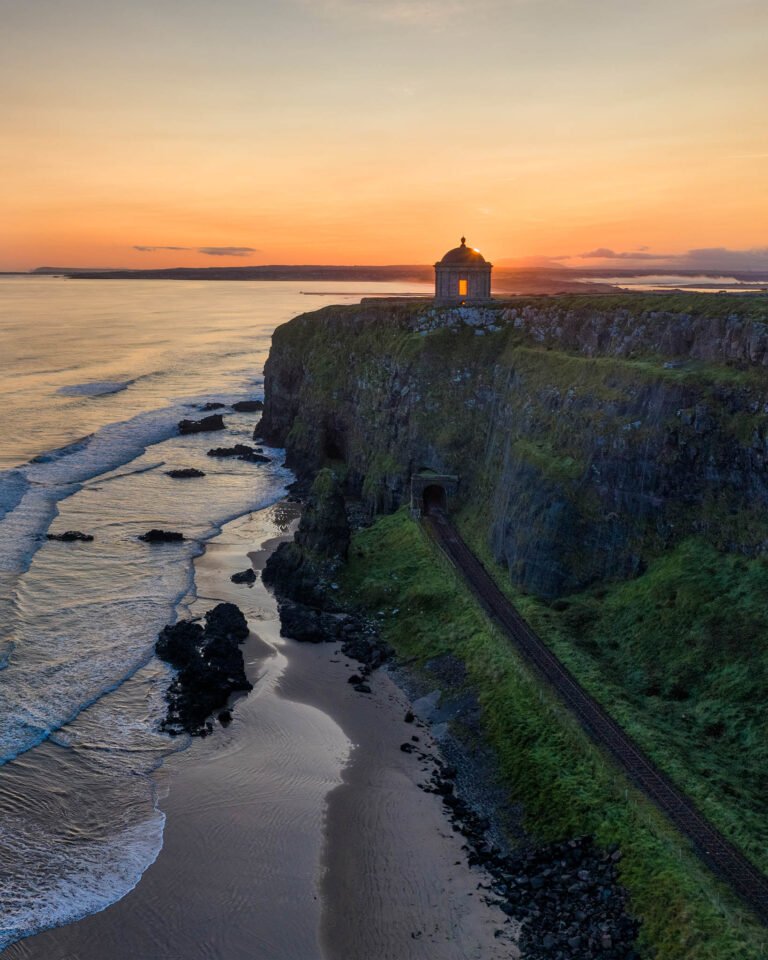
(302, 830)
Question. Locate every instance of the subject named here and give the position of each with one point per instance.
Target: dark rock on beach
(248, 406)
(567, 894)
(176, 644)
(70, 536)
(245, 576)
(303, 569)
(214, 422)
(310, 625)
(213, 405)
(184, 473)
(241, 451)
(161, 536)
(210, 668)
(301, 573)
(227, 620)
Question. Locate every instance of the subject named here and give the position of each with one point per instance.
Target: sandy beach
(300, 831)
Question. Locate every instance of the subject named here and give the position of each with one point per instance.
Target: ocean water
(94, 378)
(701, 283)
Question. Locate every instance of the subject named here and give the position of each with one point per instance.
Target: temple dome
(464, 255)
(463, 276)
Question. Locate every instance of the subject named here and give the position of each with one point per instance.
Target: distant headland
(506, 280)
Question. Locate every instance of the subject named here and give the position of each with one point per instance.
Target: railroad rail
(720, 855)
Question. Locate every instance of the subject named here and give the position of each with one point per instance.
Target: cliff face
(589, 434)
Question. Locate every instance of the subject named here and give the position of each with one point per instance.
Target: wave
(83, 622)
(13, 486)
(82, 881)
(95, 388)
(79, 831)
(36, 488)
(80, 690)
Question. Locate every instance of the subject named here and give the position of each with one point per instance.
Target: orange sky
(351, 131)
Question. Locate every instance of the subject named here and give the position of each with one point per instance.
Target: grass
(566, 785)
(679, 656)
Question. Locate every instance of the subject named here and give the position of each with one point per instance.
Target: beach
(301, 830)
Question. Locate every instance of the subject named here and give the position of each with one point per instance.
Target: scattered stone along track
(718, 853)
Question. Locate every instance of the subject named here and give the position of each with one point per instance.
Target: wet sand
(299, 832)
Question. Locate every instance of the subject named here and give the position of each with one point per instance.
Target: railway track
(722, 857)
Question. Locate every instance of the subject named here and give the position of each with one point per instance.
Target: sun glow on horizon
(324, 133)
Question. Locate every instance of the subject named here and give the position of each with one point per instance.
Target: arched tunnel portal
(432, 491)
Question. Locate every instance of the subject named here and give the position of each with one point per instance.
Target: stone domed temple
(463, 275)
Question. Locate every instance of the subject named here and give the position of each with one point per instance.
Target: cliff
(611, 454)
(590, 434)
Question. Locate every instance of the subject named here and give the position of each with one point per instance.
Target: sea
(691, 283)
(94, 377)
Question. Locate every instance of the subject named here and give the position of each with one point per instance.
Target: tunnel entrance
(432, 491)
(434, 498)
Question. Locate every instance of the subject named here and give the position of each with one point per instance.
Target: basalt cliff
(589, 434)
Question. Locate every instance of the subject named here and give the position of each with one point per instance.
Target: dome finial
(463, 241)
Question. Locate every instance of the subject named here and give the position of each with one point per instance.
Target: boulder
(177, 642)
(214, 422)
(228, 620)
(241, 451)
(161, 536)
(248, 406)
(70, 536)
(245, 576)
(183, 473)
(210, 668)
(213, 405)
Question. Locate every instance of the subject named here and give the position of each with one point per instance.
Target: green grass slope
(545, 761)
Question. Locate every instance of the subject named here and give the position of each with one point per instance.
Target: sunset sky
(354, 131)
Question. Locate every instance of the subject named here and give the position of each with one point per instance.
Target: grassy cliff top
(705, 305)
(727, 331)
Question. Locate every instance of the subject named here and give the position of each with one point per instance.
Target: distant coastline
(507, 280)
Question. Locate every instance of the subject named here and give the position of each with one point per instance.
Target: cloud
(605, 253)
(145, 249)
(208, 251)
(227, 251)
(700, 258)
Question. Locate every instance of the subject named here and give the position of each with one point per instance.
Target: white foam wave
(36, 488)
(73, 881)
(81, 620)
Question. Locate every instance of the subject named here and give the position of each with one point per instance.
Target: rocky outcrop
(185, 473)
(70, 536)
(302, 570)
(210, 667)
(301, 573)
(244, 576)
(567, 895)
(240, 451)
(589, 433)
(161, 536)
(214, 422)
